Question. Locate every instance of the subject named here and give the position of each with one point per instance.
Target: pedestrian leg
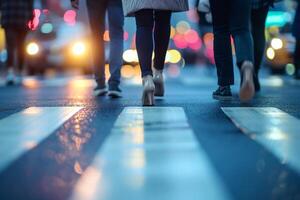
(144, 39)
(258, 20)
(222, 49)
(240, 13)
(162, 32)
(222, 42)
(161, 37)
(96, 11)
(116, 32)
(10, 35)
(20, 53)
(144, 45)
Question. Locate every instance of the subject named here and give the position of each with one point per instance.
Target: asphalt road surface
(59, 142)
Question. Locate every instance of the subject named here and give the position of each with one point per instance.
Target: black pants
(258, 21)
(231, 18)
(15, 45)
(297, 55)
(97, 10)
(146, 20)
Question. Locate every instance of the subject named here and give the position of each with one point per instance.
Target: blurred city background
(59, 42)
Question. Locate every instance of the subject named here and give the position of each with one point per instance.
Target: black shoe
(256, 84)
(114, 91)
(100, 90)
(223, 93)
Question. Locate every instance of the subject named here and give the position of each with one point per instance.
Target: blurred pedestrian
(153, 16)
(296, 33)
(97, 10)
(260, 9)
(15, 17)
(232, 18)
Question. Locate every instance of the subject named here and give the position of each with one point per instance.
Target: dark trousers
(258, 21)
(297, 56)
(146, 20)
(15, 45)
(97, 11)
(231, 18)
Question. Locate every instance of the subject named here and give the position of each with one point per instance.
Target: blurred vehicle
(280, 42)
(57, 43)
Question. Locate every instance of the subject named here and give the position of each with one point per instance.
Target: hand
(75, 4)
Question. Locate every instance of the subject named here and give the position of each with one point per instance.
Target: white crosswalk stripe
(26, 129)
(273, 128)
(152, 153)
(272, 81)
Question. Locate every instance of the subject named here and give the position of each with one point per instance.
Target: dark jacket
(16, 13)
(296, 27)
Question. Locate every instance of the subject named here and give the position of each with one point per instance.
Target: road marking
(152, 153)
(24, 130)
(271, 81)
(276, 130)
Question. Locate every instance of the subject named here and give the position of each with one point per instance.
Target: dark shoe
(114, 91)
(100, 90)
(256, 83)
(10, 78)
(247, 90)
(223, 93)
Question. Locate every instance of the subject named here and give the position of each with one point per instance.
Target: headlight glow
(78, 48)
(270, 53)
(32, 49)
(276, 43)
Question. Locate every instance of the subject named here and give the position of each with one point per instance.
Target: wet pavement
(60, 142)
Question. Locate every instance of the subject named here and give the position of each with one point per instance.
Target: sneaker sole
(100, 93)
(222, 98)
(114, 94)
(247, 90)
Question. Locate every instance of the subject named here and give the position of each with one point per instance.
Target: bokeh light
(78, 48)
(70, 17)
(32, 48)
(270, 53)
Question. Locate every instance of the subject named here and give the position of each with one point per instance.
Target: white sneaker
(100, 91)
(247, 89)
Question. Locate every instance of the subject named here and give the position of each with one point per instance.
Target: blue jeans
(231, 18)
(97, 11)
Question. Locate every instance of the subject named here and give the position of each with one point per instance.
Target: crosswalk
(24, 130)
(276, 130)
(152, 151)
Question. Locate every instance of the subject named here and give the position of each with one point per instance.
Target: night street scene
(150, 100)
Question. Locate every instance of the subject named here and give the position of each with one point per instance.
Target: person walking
(97, 10)
(296, 33)
(153, 21)
(260, 9)
(15, 17)
(232, 18)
